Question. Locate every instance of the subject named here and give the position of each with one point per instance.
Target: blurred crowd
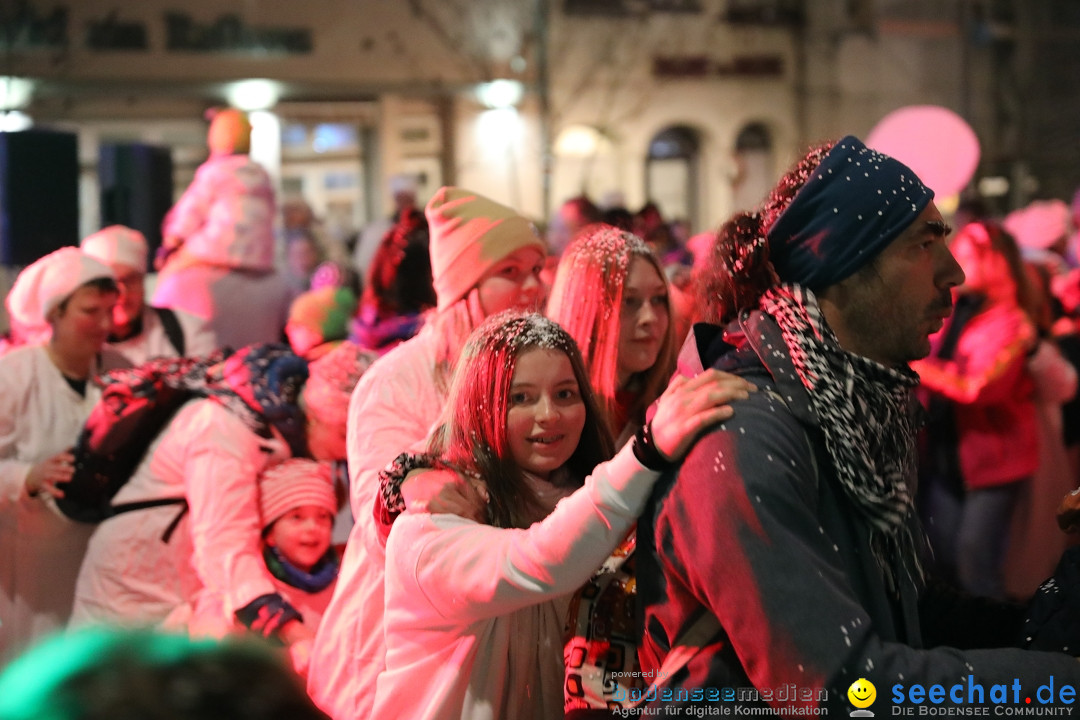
(329, 389)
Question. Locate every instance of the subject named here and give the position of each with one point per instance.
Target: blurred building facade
(697, 104)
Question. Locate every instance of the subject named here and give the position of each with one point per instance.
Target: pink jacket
(226, 216)
(475, 614)
(988, 380)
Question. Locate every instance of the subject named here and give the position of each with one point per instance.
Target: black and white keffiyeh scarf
(869, 421)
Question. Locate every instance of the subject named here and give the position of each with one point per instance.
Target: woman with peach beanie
(485, 258)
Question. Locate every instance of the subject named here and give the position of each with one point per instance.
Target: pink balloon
(933, 141)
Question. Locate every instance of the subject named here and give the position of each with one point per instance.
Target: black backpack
(135, 406)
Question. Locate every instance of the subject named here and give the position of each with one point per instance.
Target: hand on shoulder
(691, 405)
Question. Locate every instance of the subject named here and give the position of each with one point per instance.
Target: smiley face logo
(862, 693)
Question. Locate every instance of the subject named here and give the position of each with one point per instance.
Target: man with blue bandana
(783, 560)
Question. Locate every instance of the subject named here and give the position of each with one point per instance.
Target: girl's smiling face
(546, 412)
(302, 535)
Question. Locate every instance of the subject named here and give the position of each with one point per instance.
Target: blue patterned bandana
(854, 204)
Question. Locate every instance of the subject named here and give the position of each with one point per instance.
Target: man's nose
(950, 273)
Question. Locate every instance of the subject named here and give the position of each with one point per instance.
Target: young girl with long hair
(475, 610)
(985, 375)
(612, 296)
(629, 353)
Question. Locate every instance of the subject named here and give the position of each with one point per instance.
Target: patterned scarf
(869, 421)
(320, 577)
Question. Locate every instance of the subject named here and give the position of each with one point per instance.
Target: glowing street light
(499, 94)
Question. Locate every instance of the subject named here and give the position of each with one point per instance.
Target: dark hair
(619, 217)
(399, 280)
(102, 284)
(586, 208)
(473, 434)
(738, 269)
(106, 674)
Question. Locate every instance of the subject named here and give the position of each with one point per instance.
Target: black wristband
(646, 452)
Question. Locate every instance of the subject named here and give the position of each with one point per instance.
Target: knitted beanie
(117, 245)
(333, 377)
(319, 318)
(1039, 225)
(470, 234)
(292, 484)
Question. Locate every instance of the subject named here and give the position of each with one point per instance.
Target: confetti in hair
(587, 299)
(473, 434)
(739, 268)
(512, 332)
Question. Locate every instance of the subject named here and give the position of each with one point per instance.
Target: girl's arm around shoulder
(467, 571)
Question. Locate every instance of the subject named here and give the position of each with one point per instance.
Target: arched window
(671, 173)
(754, 166)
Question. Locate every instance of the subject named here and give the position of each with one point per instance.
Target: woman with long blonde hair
(611, 295)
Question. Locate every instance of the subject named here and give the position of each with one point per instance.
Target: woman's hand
(445, 491)
(44, 476)
(689, 405)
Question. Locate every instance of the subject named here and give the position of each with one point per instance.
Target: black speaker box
(136, 183)
(39, 194)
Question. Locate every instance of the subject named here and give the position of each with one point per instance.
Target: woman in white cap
(142, 332)
(45, 396)
(485, 258)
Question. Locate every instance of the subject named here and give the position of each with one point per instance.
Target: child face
(302, 535)
(326, 440)
(546, 413)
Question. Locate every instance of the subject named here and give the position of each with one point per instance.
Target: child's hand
(295, 631)
(300, 656)
(689, 405)
(444, 491)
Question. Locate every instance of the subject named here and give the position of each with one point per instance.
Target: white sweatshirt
(475, 614)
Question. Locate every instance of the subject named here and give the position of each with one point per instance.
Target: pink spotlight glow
(935, 142)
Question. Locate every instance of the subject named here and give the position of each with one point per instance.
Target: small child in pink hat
(297, 505)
